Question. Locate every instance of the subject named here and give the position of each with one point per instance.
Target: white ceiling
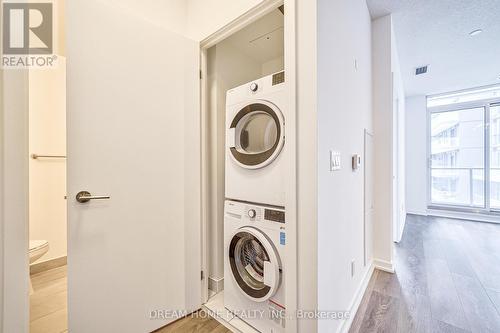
(262, 40)
(436, 33)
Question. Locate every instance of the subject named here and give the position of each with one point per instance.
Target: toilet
(37, 249)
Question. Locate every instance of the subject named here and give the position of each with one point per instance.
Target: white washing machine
(255, 141)
(254, 244)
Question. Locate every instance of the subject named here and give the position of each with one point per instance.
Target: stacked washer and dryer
(254, 213)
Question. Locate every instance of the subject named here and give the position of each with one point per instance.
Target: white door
(368, 195)
(133, 135)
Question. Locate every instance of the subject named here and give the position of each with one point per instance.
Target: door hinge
(201, 76)
(202, 275)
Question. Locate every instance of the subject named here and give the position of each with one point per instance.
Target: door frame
(290, 260)
(14, 162)
(367, 134)
(396, 176)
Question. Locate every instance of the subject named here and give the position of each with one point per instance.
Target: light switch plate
(334, 160)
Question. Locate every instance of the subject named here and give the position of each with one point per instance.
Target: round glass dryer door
(259, 135)
(254, 264)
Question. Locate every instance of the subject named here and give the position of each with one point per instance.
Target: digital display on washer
(274, 215)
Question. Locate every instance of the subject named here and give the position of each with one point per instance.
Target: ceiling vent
(421, 70)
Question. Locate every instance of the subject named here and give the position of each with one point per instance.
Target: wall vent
(421, 70)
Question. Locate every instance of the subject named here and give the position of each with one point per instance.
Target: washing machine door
(255, 264)
(256, 134)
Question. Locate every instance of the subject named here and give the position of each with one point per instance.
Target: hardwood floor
(447, 280)
(199, 322)
(48, 308)
(48, 304)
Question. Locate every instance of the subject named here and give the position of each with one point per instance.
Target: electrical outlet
(353, 268)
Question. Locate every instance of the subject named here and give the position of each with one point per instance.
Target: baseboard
(474, 217)
(383, 265)
(417, 213)
(49, 264)
(356, 301)
(216, 284)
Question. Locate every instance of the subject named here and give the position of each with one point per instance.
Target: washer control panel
(274, 215)
(261, 214)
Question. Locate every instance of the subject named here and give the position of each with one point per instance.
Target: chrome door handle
(85, 196)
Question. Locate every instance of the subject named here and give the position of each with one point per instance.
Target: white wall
(273, 66)
(344, 112)
(196, 19)
(416, 155)
(227, 68)
(47, 135)
(383, 100)
(398, 153)
(206, 17)
(169, 14)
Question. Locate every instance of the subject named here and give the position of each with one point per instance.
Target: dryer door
(256, 135)
(254, 263)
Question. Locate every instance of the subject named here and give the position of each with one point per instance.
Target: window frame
(486, 104)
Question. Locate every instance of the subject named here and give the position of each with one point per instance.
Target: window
(474, 95)
(464, 150)
(457, 157)
(495, 156)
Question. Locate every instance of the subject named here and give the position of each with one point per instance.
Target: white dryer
(254, 289)
(255, 141)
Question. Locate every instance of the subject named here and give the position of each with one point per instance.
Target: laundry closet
(245, 118)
